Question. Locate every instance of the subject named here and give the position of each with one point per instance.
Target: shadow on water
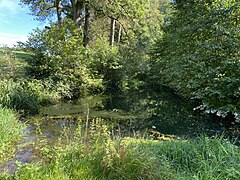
(126, 113)
(162, 111)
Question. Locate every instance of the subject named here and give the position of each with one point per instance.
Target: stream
(126, 113)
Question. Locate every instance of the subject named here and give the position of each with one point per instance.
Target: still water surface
(162, 111)
(126, 113)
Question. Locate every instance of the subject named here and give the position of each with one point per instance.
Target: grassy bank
(17, 90)
(25, 95)
(13, 63)
(10, 131)
(98, 156)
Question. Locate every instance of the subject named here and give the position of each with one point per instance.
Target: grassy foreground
(98, 156)
(10, 131)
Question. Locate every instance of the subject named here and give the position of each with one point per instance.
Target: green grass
(202, 158)
(10, 131)
(98, 156)
(18, 91)
(13, 63)
(22, 55)
(25, 95)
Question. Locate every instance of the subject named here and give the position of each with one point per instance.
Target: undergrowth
(93, 154)
(17, 90)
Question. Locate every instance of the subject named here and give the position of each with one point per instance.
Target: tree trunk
(59, 11)
(119, 33)
(112, 32)
(86, 25)
(77, 7)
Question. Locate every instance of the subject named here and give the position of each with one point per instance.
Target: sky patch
(11, 39)
(15, 22)
(10, 5)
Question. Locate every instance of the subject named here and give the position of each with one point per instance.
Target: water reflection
(165, 111)
(137, 111)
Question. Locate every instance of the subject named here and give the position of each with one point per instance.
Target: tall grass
(10, 130)
(25, 95)
(98, 156)
(202, 158)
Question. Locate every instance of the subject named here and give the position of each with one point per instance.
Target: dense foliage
(199, 54)
(121, 62)
(107, 48)
(26, 96)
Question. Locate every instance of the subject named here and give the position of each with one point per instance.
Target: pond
(127, 114)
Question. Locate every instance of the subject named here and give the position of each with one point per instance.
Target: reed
(202, 158)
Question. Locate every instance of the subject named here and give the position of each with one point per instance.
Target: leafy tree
(42, 9)
(129, 14)
(138, 33)
(199, 54)
(59, 57)
(101, 61)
